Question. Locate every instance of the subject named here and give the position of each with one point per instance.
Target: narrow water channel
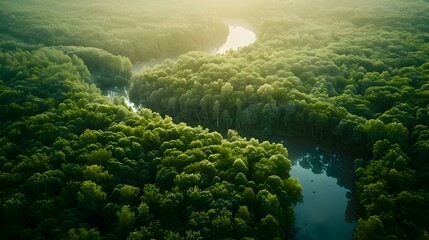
(328, 209)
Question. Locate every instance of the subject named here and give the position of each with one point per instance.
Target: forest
(76, 165)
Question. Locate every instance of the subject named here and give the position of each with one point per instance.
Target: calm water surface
(327, 212)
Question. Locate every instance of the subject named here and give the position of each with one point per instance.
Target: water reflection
(328, 210)
(333, 164)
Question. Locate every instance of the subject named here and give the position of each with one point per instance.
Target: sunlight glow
(238, 37)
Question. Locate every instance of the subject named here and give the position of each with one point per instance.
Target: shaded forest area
(76, 166)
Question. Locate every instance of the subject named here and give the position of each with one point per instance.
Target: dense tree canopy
(139, 30)
(359, 75)
(299, 77)
(74, 165)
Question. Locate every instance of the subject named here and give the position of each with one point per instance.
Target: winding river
(327, 211)
(238, 37)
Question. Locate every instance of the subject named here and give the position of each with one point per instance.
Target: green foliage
(107, 69)
(73, 165)
(357, 78)
(370, 229)
(83, 234)
(297, 85)
(96, 174)
(387, 191)
(99, 156)
(139, 31)
(91, 197)
(126, 221)
(75, 170)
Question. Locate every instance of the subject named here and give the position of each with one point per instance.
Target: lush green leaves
(78, 170)
(73, 165)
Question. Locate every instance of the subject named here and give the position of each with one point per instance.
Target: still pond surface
(328, 209)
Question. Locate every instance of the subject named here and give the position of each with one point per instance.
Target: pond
(328, 210)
